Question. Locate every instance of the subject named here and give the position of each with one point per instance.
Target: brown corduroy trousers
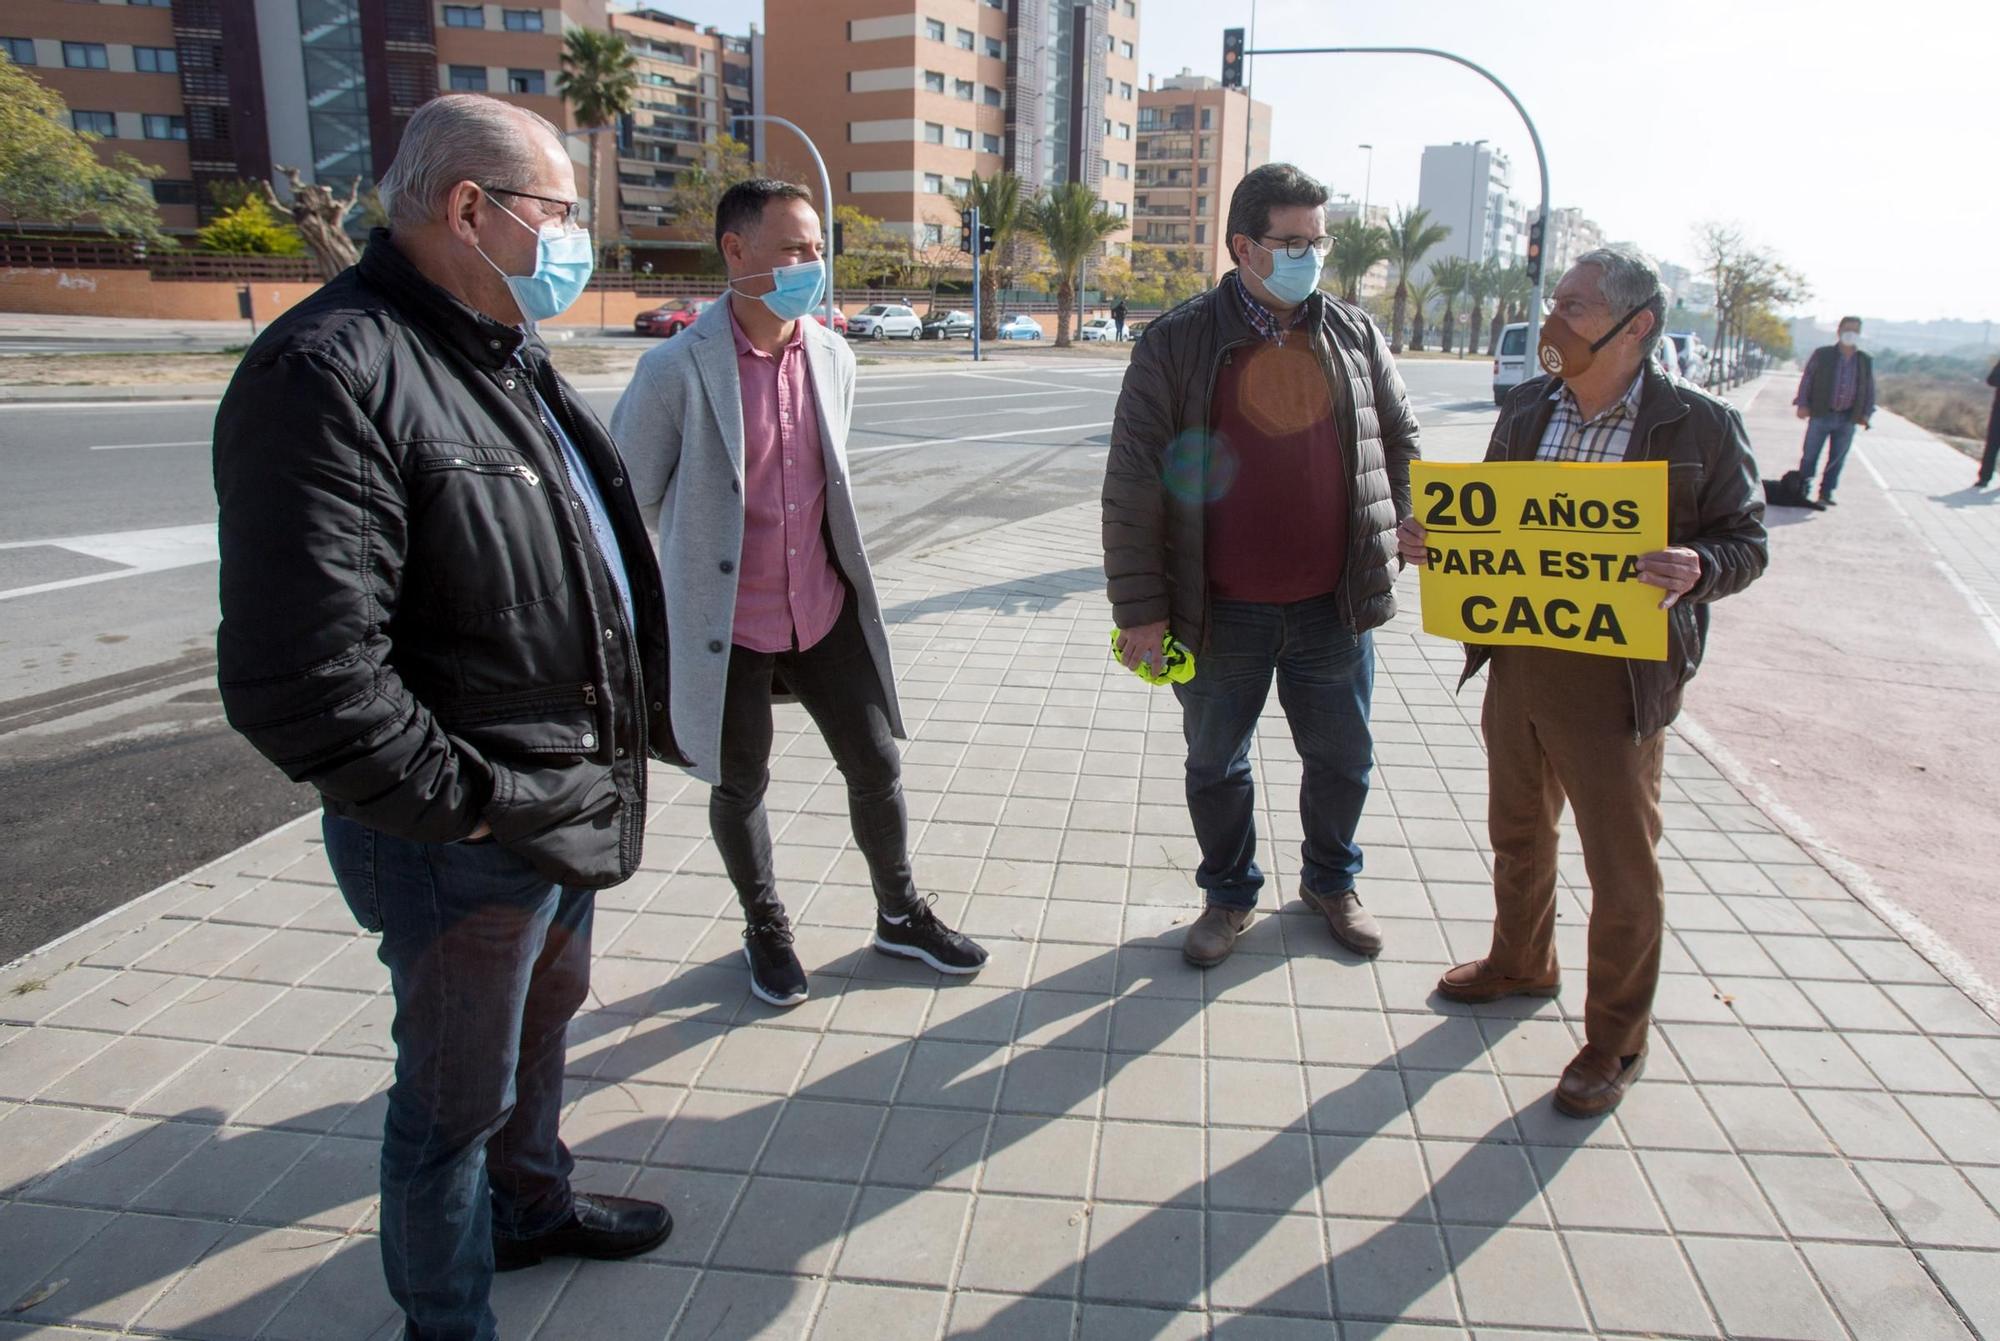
(1559, 725)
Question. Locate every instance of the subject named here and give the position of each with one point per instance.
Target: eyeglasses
(570, 208)
(1296, 247)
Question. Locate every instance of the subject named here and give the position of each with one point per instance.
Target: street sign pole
(1541, 159)
(978, 308)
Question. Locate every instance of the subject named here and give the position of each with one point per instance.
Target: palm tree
(1479, 284)
(1071, 221)
(1510, 297)
(1001, 208)
(1450, 275)
(599, 73)
(1423, 294)
(1357, 249)
(1411, 237)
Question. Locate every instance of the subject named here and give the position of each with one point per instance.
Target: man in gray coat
(735, 436)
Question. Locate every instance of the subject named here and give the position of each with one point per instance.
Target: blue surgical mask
(563, 262)
(795, 289)
(1292, 278)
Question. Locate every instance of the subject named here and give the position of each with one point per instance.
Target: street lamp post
(1541, 159)
(826, 195)
(1367, 180)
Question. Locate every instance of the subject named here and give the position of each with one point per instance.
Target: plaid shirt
(1604, 438)
(1261, 317)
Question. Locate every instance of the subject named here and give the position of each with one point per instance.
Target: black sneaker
(919, 934)
(775, 975)
(1826, 501)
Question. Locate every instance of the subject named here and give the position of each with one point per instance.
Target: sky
(1857, 141)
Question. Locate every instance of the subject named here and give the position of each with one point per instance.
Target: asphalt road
(117, 772)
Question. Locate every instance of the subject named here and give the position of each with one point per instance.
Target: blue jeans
(488, 961)
(1326, 679)
(1836, 431)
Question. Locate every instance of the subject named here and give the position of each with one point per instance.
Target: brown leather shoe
(1595, 1081)
(1213, 935)
(1351, 924)
(1477, 981)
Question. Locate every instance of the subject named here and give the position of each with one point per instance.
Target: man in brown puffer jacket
(1260, 460)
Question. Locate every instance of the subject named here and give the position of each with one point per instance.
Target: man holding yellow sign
(1605, 485)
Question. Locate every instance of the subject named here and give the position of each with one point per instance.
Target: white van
(1510, 365)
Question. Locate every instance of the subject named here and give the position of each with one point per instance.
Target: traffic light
(1232, 58)
(985, 238)
(839, 241)
(1535, 251)
(965, 232)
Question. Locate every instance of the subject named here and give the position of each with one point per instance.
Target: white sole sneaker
(768, 998)
(924, 956)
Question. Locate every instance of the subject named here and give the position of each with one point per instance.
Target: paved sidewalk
(1092, 1139)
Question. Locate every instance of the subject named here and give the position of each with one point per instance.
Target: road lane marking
(150, 551)
(183, 402)
(978, 437)
(955, 400)
(141, 446)
(926, 418)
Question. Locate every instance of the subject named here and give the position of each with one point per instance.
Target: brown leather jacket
(1155, 483)
(1715, 507)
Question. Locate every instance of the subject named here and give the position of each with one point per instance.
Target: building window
(160, 127)
(933, 234)
(93, 123)
(1124, 172)
(1125, 50)
(1111, 44)
(962, 89)
(933, 133)
(1201, 204)
(85, 56)
(468, 79)
(1201, 177)
(1201, 233)
(20, 50)
(933, 184)
(934, 80)
(996, 48)
(1207, 147)
(965, 39)
(172, 193)
(1110, 86)
(961, 139)
(521, 20)
(993, 97)
(156, 60)
(1131, 9)
(1125, 92)
(934, 30)
(464, 16)
(1118, 207)
(1124, 130)
(989, 144)
(1208, 118)
(527, 81)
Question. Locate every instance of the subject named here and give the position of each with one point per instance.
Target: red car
(670, 319)
(839, 320)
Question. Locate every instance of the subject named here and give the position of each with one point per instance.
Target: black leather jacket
(1715, 507)
(416, 618)
(1155, 493)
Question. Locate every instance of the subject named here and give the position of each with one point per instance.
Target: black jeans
(836, 682)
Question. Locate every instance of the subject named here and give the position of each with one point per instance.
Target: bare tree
(318, 217)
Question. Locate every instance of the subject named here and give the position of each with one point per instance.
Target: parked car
(1510, 365)
(839, 320)
(948, 325)
(1694, 355)
(670, 318)
(879, 321)
(1020, 326)
(1668, 358)
(1134, 329)
(1098, 328)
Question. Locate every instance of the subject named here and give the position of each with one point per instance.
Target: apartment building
(693, 84)
(1469, 188)
(907, 99)
(221, 90)
(1196, 140)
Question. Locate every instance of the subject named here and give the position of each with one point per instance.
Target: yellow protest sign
(1543, 554)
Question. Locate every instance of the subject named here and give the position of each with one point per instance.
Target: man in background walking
(1836, 393)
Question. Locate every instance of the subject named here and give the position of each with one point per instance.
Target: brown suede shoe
(1351, 924)
(1213, 935)
(1595, 1081)
(1476, 982)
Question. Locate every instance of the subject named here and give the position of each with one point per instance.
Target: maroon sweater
(1276, 527)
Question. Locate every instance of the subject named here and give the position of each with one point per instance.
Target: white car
(1693, 353)
(879, 321)
(1510, 365)
(1098, 328)
(1020, 326)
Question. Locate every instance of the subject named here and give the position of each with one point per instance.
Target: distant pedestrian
(1836, 393)
(1992, 457)
(1118, 317)
(439, 607)
(736, 434)
(1250, 507)
(1591, 730)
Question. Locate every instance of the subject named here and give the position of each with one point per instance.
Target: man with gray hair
(1588, 728)
(440, 608)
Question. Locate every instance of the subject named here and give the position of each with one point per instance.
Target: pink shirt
(787, 585)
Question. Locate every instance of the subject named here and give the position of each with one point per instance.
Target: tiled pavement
(1092, 1139)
